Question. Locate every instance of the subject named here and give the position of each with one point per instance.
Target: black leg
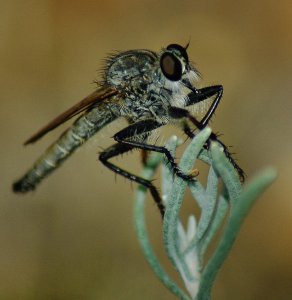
(199, 95)
(118, 149)
(142, 128)
(187, 130)
(178, 113)
(140, 132)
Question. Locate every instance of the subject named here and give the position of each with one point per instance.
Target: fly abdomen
(83, 128)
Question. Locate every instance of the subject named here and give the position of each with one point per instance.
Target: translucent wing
(86, 103)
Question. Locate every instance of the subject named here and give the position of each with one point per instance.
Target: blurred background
(73, 238)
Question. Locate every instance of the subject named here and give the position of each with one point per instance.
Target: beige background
(73, 238)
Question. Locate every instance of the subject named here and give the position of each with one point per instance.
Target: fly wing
(97, 96)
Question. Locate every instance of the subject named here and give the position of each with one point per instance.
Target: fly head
(173, 62)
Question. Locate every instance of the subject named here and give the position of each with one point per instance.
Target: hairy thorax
(146, 94)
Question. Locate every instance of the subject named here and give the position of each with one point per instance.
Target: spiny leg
(197, 96)
(118, 149)
(143, 128)
(214, 137)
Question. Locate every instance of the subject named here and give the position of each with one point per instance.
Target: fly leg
(126, 136)
(198, 96)
(118, 149)
(140, 131)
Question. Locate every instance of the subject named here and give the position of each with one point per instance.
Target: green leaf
(186, 247)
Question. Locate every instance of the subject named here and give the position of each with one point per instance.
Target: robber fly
(146, 88)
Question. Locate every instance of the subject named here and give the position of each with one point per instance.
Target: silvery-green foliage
(186, 247)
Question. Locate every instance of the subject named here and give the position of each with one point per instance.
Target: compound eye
(171, 67)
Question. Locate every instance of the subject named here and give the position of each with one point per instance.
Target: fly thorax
(125, 67)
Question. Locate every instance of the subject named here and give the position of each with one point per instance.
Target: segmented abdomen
(83, 128)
